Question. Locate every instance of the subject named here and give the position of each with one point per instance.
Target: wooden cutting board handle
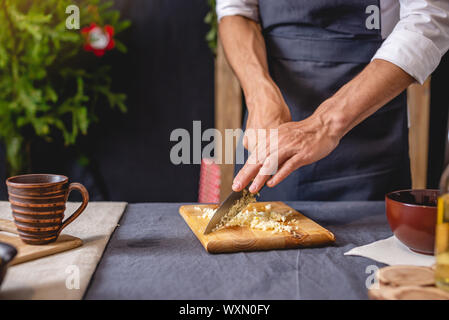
(8, 226)
(28, 252)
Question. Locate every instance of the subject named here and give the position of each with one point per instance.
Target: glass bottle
(442, 234)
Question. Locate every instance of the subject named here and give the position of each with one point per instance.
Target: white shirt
(416, 32)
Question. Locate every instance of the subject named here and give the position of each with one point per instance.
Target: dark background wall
(168, 75)
(438, 134)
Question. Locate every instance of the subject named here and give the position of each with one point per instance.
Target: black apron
(314, 47)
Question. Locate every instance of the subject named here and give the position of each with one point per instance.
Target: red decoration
(98, 39)
(210, 180)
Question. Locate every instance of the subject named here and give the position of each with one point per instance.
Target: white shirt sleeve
(246, 8)
(419, 39)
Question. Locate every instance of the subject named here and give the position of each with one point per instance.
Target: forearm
(376, 85)
(245, 51)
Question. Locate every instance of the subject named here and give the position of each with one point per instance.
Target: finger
(245, 175)
(258, 183)
(286, 169)
(269, 168)
(254, 163)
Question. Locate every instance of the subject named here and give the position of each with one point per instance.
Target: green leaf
(50, 94)
(120, 46)
(208, 18)
(83, 160)
(40, 126)
(83, 121)
(14, 153)
(122, 25)
(105, 5)
(211, 35)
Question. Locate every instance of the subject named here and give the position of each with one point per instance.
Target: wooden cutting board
(236, 239)
(27, 252)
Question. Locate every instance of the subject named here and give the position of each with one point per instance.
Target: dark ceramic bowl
(7, 253)
(412, 215)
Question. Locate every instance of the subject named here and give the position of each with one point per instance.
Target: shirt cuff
(249, 13)
(411, 51)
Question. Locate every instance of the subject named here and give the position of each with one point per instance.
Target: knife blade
(222, 210)
(225, 207)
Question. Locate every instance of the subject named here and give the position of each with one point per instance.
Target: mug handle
(84, 194)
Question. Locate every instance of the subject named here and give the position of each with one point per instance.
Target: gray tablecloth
(154, 255)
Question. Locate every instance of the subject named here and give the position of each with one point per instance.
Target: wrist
(331, 113)
(263, 92)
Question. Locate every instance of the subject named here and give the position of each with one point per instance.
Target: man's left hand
(299, 144)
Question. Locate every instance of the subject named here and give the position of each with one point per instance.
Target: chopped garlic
(208, 213)
(238, 206)
(261, 220)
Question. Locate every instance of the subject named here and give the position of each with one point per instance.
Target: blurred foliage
(49, 86)
(211, 20)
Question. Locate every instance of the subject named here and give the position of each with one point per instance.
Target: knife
(224, 208)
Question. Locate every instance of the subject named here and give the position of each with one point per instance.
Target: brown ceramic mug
(38, 202)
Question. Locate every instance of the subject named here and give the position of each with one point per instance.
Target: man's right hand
(267, 110)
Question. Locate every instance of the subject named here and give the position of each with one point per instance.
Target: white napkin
(392, 252)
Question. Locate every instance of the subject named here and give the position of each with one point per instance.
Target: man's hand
(266, 111)
(312, 139)
(299, 143)
(304, 142)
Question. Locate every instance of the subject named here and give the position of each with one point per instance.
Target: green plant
(49, 86)
(211, 20)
